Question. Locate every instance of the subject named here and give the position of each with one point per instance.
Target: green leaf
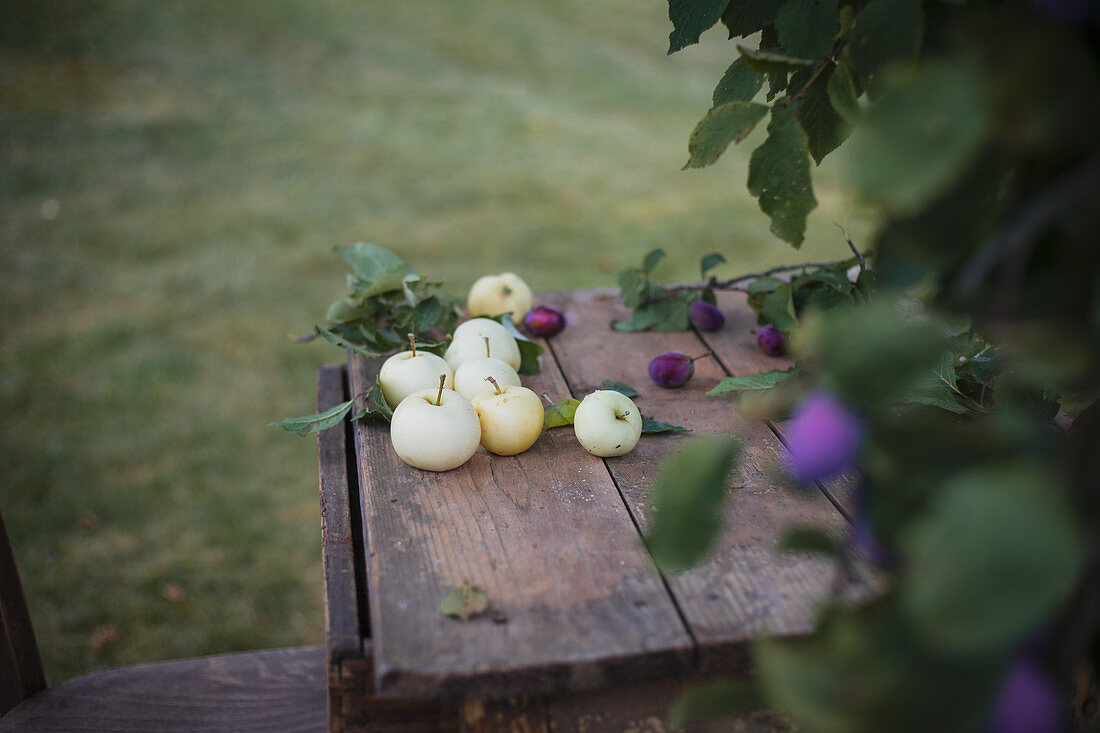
(750, 382)
(812, 540)
(772, 62)
(376, 406)
(745, 17)
(740, 83)
(690, 18)
(884, 32)
(669, 314)
(333, 338)
(530, 357)
(843, 95)
(764, 285)
(651, 427)
(464, 603)
(652, 258)
(825, 129)
(687, 495)
(621, 388)
(560, 413)
(630, 282)
(998, 555)
(918, 139)
(709, 262)
(731, 122)
(939, 387)
(714, 700)
(314, 423)
(807, 28)
(425, 315)
(378, 269)
(779, 176)
(778, 309)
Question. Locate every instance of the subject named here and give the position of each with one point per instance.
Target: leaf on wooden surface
(728, 123)
(740, 83)
(619, 387)
(530, 352)
(750, 382)
(779, 176)
(667, 314)
(807, 28)
(376, 408)
(690, 18)
(651, 427)
(560, 413)
(687, 493)
(336, 339)
(772, 62)
(464, 603)
(309, 424)
(745, 17)
(715, 700)
(777, 308)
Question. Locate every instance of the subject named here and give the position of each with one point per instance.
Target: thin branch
(858, 254)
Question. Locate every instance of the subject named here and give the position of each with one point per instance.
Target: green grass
(173, 177)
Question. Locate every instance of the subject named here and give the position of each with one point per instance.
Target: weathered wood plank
(575, 600)
(735, 347)
(745, 588)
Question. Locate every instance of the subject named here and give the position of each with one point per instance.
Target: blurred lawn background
(173, 177)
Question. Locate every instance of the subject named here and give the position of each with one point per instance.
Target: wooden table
(583, 632)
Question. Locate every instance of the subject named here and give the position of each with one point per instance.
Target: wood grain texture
(745, 588)
(575, 601)
(20, 664)
(281, 689)
(735, 346)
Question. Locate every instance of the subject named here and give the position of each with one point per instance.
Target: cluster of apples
(445, 407)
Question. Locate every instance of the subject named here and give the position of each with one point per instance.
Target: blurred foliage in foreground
(958, 381)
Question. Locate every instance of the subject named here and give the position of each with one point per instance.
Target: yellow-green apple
(511, 418)
(435, 429)
(471, 377)
(607, 423)
(492, 295)
(468, 342)
(409, 371)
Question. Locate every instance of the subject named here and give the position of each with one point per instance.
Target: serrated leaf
(714, 700)
(309, 424)
(825, 129)
(708, 263)
(619, 387)
(750, 382)
(914, 142)
(807, 28)
(843, 95)
(690, 18)
(740, 83)
(729, 123)
(560, 413)
(993, 560)
(779, 176)
(464, 603)
(652, 258)
(745, 17)
(772, 62)
(884, 32)
(650, 426)
(687, 495)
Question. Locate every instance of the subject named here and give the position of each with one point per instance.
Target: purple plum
(771, 340)
(705, 316)
(544, 320)
(1027, 701)
(824, 437)
(672, 368)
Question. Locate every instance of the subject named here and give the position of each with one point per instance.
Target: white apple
(435, 429)
(492, 295)
(409, 371)
(470, 377)
(511, 418)
(468, 342)
(607, 423)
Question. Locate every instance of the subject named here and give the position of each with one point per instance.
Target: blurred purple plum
(823, 439)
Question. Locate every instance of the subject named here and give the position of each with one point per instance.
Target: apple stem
(490, 379)
(487, 354)
(439, 395)
(412, 342)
